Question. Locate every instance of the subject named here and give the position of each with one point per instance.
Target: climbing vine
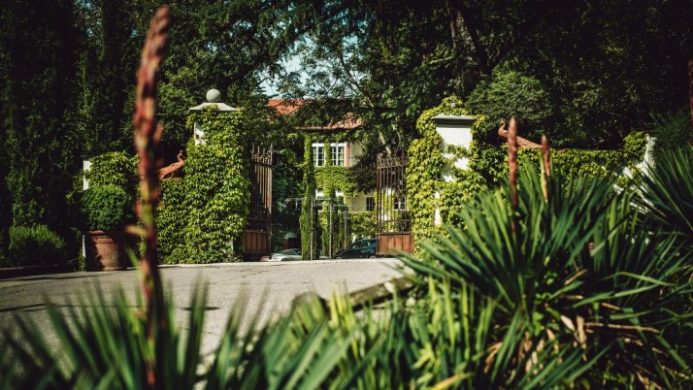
(427, 164)
(486, 168)
(217, 187)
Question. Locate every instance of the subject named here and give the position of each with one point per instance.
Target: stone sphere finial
(213, 95)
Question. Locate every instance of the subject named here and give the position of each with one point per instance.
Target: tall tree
(39, 46)
(605, 65)
(107, 63)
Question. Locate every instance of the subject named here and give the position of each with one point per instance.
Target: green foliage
(35, 245)
(171, 221)
(217, 188)
(487, 169)
(310, 232)
(106, 207)
(363, 224)
(671, 131)
(335, 178)
(666, 194)
(427, 164)
(511, 93)
(38, 91)
(114, 168)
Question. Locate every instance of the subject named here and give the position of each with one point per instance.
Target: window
(319, 155)
(399, 203)
(370, 203)
(337, 154)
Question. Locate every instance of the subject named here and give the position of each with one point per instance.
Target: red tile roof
(290, 106)
(285, 106)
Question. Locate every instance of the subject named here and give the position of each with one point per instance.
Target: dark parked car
(359, 250)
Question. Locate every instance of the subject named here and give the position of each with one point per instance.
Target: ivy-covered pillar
(217, 181)
(455, 132)
(440, 173)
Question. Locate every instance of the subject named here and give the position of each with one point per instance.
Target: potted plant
(106, 208)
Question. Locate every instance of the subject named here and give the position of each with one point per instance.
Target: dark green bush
(511, 93)
(671, 130)
(106, 207)
(35, 245)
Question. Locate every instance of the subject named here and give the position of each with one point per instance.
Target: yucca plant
(574, 265)
(102, 343)
(666, 193)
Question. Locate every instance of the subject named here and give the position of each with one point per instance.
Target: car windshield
(288, 252)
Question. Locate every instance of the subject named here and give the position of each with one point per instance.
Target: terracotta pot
(106, 251)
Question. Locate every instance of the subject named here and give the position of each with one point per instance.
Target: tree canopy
(585, 72)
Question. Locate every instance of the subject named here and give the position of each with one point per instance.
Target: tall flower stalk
(147, 137)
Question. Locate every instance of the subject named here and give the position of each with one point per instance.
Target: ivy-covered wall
(172, 222)
(487, 168)
(329, 179)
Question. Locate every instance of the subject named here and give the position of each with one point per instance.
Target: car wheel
(371, 257)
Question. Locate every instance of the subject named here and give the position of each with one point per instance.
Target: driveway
(266, 287)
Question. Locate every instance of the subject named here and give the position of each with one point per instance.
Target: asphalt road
(266, 287)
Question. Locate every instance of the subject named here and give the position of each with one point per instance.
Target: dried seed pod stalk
(512, 167)
(690, 87)
(546, 166)
(147, 137)
(512, 160)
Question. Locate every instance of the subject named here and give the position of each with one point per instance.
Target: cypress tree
(309, 218)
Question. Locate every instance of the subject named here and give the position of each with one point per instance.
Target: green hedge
(35, 245)
(310, 231)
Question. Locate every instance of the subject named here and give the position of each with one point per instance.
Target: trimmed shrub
(35, 245)
(309, 218)
(106, 208)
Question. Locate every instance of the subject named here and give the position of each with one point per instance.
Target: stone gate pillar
(455, 130)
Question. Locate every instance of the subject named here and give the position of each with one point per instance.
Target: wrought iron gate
(258, 233)
(394, 219)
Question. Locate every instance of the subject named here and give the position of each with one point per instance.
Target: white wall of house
(359, 202)
(355, 153)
